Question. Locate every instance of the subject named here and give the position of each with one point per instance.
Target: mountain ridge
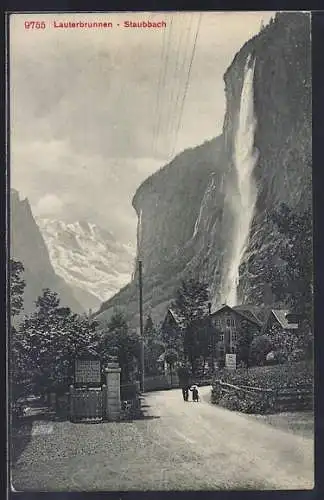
(28, 246)
(88, 258)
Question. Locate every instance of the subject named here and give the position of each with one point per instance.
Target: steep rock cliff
(186, 221)
(27, 245)
(168, 205)
(283, 100)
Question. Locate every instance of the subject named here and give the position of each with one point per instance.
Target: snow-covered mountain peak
(88, 257)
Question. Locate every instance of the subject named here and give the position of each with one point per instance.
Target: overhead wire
(174, 79)
(122, 102)
(181, 73)
(158, 95)
(187, 84)
(165, 66)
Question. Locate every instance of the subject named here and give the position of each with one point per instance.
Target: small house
(280, 321)
(229, 323)
(282, 328)
(171, 327)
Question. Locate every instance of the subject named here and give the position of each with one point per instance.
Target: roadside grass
(19, 438)
(300, 422)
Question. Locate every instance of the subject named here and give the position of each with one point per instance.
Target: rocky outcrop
(184, 209)
(283, 137)
(168, 205)
(27, 245)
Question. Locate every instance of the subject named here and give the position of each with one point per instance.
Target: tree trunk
(204, 364)
(192, 362)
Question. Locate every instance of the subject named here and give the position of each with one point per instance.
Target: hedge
(293, 377)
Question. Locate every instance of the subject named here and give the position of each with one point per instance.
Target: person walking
(184, 381)
(195, 392)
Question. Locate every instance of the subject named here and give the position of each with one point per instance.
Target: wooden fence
(285, 399)
(160, 382)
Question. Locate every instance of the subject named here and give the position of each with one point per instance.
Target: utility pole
(140, 278)
(211, 337)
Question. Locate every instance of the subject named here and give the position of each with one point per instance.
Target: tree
(171, 357)
(259, 349)
(306, 339)
(53, 337)
(296, 250)
(149, 328)
(154, 346)
(214, 338)
(244, 343)
(119, 341)
(191, 305)
(171, 331)
(17, 372)
(220, 354)
(207, 338)
(291, 343)
(17, 286)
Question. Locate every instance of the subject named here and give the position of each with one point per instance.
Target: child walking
(195, 393)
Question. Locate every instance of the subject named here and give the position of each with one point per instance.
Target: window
(234, 336)
(228, 322)
(221, 337)
(232, 322)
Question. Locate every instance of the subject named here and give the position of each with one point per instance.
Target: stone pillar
(71, 403)
(104, 400)
(113, 406)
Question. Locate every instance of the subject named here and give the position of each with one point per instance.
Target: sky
(94, 112)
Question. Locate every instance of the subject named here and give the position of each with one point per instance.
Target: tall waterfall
(243, 199)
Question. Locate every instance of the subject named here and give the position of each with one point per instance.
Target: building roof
(281, 317)
(242, 312)
(223, 306)
(176, 317)
(260, 313)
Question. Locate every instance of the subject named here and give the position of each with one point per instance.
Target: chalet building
(282, 328)
(171, 326)
(280, 320)
(228, 322)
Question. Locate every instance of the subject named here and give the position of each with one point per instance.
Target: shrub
(297, 355)
(260, 347)
(275, 377)
(215, 393)
(246, 402)
(281, 356)
(270, 377)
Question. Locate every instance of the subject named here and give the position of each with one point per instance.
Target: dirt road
(177, 446)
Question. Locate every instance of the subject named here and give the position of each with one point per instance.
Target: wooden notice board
(87, 371)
